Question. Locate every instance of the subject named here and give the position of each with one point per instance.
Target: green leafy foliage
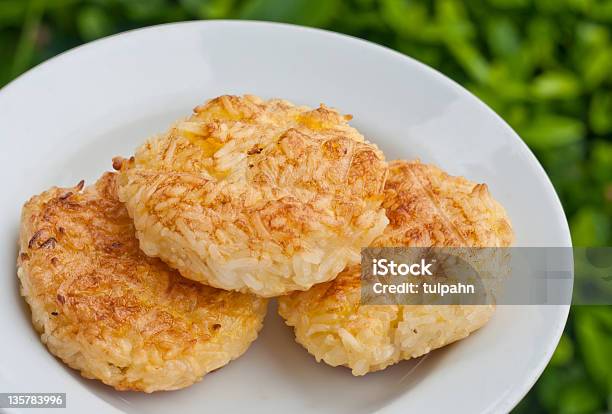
(304, 12)
(549, 130)
(564, 353)
(93, 22)
(590, 227)
(544, 65)
(594, 335)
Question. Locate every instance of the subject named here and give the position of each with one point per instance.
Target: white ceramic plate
(65, 120)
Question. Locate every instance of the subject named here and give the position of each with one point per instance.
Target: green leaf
(93, 23)
(600, 112)
(602, 11)
(554, 381)
(304, 12)
(548, 131)
(595, 342)
(144, 10)
(12, 12)
(503, 80)
(452, 21)
(579, 399)
(603, 314)
(554, 84)
(410, 19)
(601, 161)
(580, 5)
(425, 53)
(209, 9)
(26, 46)
(488, 96)
(359, 21)
(548, 388)
(564, 352)
(6, 54)
(516, 115)
(543, 35)
(471, 60)
(590, 227)
(592, 35)
(502, 37)
(549, 6)
(596, 67)
(509, 4)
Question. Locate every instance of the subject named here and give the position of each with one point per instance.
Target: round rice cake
(113, 313)
(256, 196)
(426, 207)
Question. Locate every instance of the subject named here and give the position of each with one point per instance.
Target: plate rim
(507, 402)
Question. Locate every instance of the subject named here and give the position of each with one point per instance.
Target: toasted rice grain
(113, 313)
(426, 207)
(257, 196)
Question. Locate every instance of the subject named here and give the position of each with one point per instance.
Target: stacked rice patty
(256, 196)
(115, 314)
(426, 207)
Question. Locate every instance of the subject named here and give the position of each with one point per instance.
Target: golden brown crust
(107, 309)
(256, 195)
(425, 207)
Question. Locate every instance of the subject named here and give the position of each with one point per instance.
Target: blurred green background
(544, 65)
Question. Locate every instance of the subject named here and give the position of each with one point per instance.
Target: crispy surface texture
(113, 313)
(426, 207)
(258, 196)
